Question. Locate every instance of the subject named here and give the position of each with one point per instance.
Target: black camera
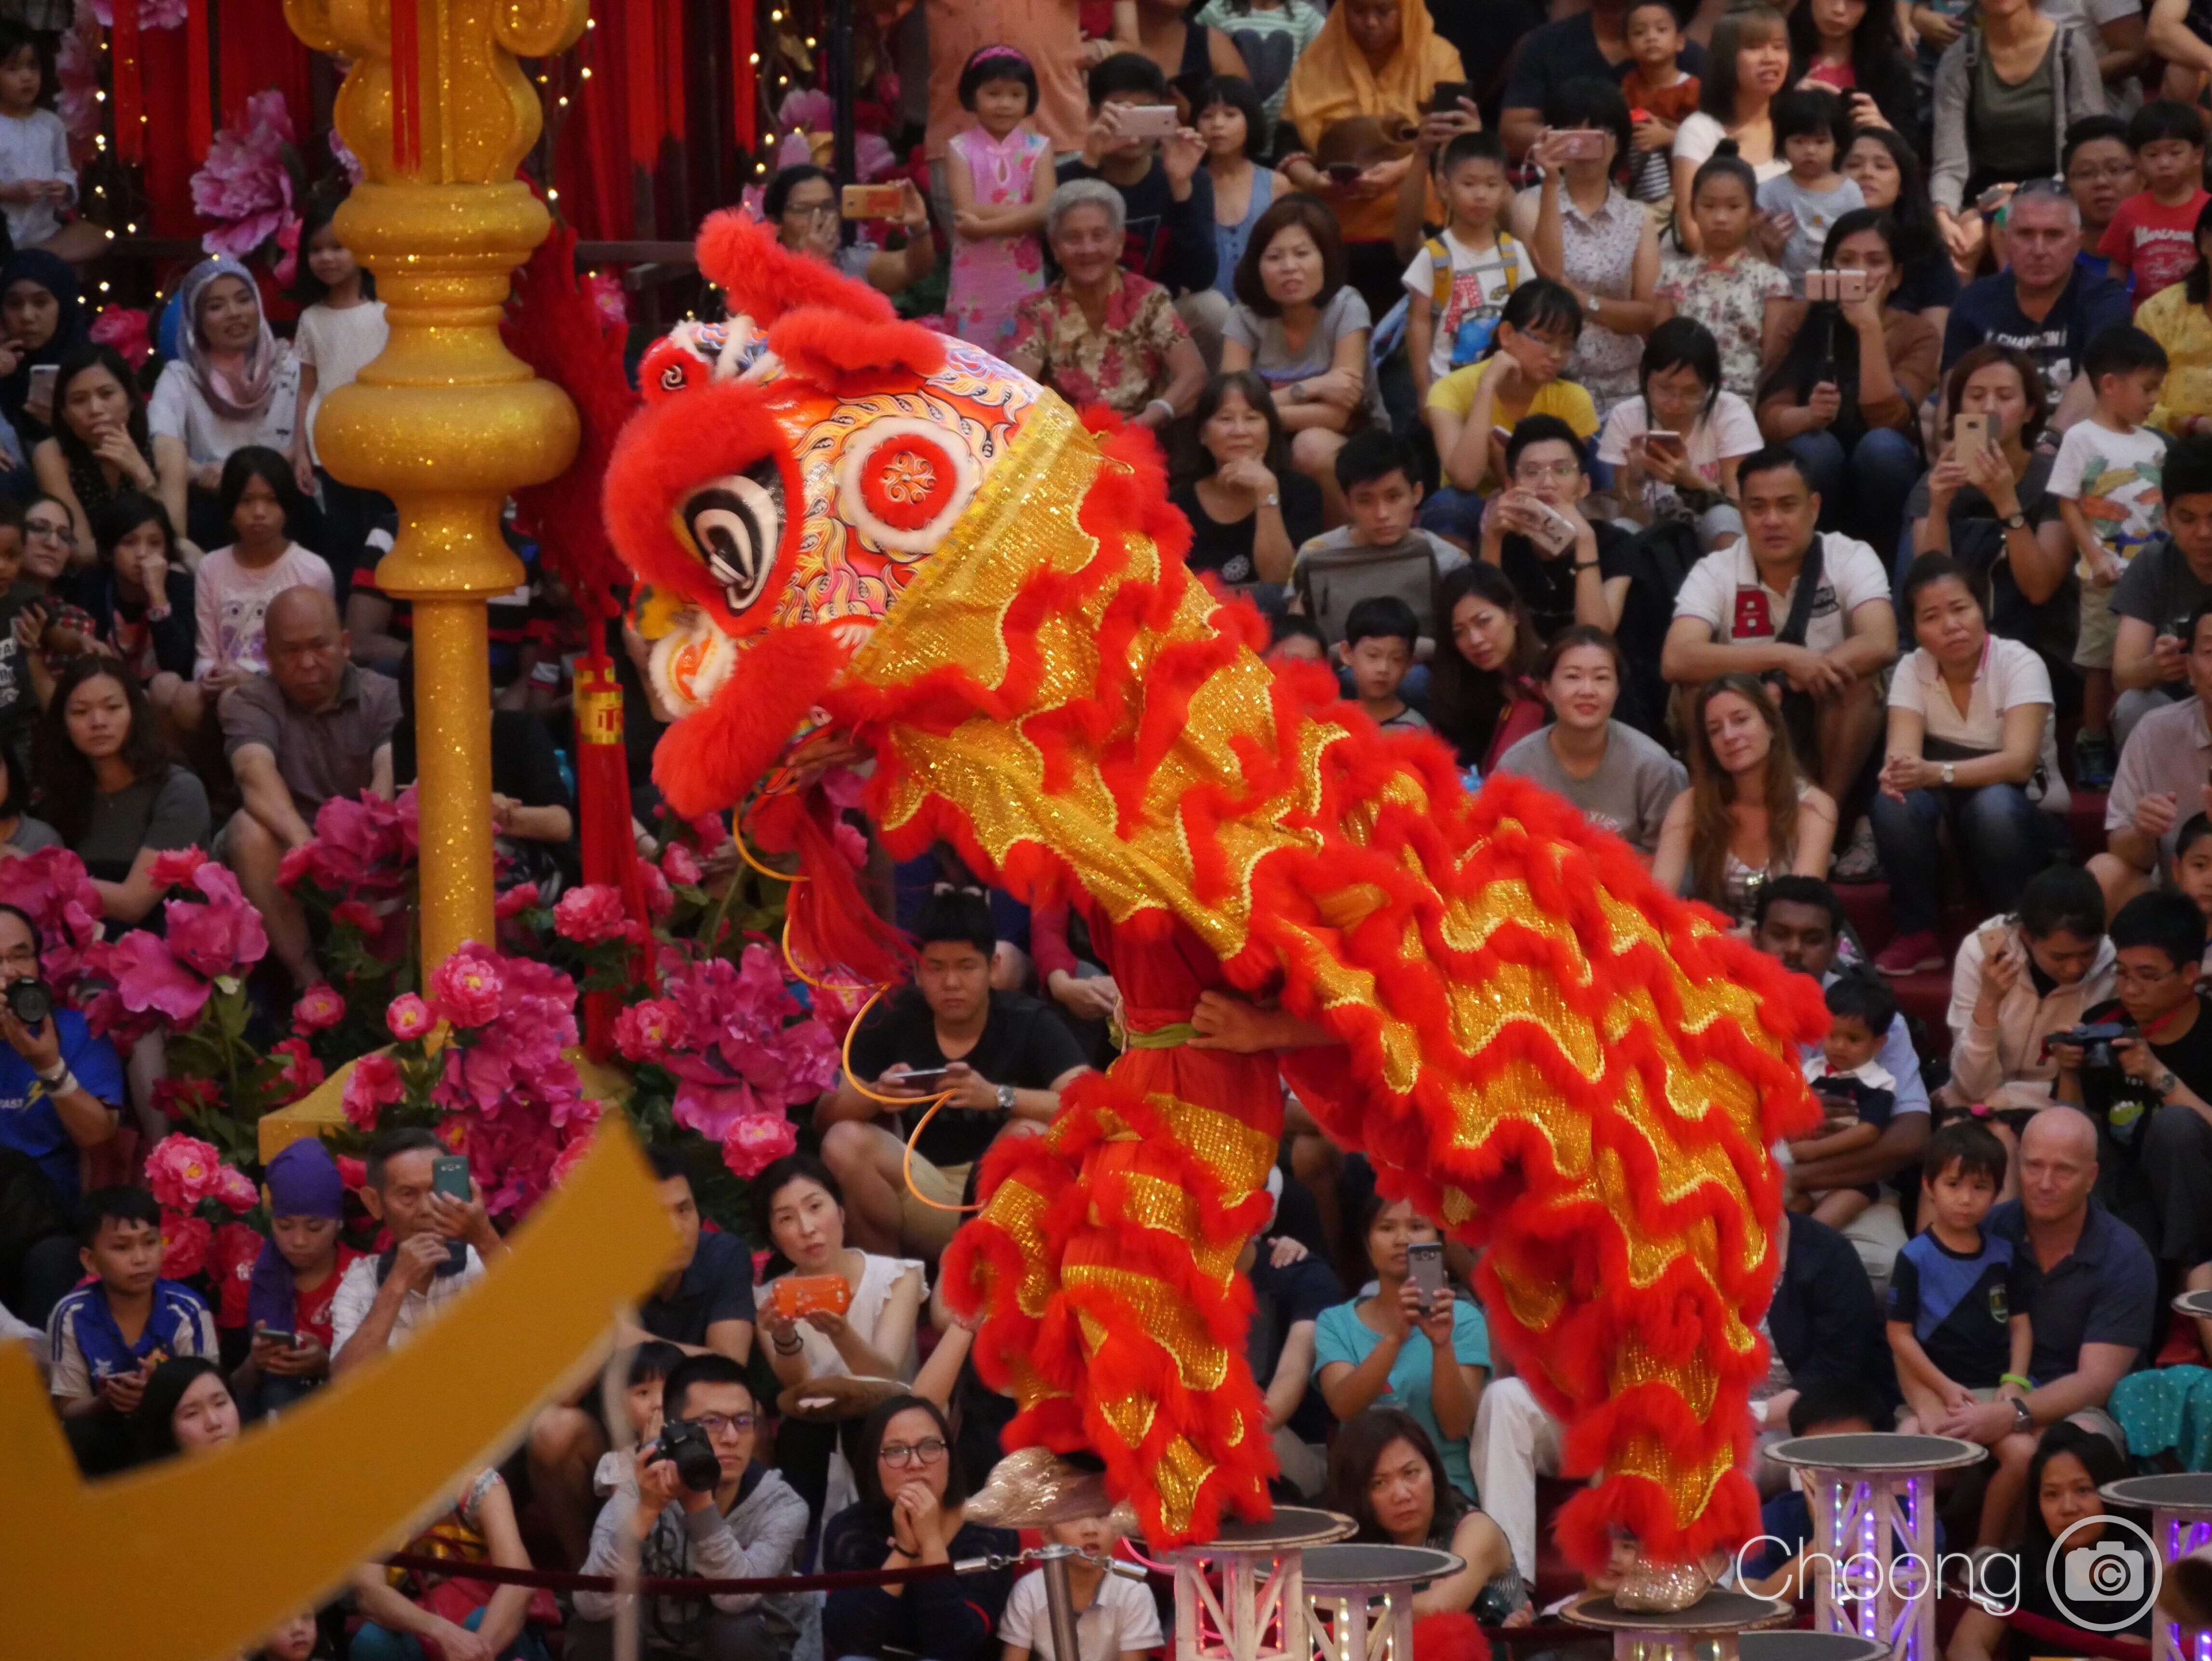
(698, 1466)
(30, 1002)
(2095, 1041)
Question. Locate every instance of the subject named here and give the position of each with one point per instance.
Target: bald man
(312, 728)
(2089, 1286)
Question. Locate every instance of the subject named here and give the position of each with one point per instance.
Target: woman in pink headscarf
(234, 384)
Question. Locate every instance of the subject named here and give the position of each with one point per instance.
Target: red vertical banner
(641, 80)
(673, 62)
(406, 87)
(200, 82)
(744, 101)
(123, 73)
(235, 77)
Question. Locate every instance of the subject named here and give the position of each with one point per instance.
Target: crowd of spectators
(1780, 432)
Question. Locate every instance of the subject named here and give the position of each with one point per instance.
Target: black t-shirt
(1023, 1044)
(1988, 310)
(1931, 280)
(1227, 548)
(717, 1286)
(1281, 1298)
(1170, 242)
(1546, 585)
(2189, 1056)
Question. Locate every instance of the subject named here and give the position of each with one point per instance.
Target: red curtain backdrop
(250, 50)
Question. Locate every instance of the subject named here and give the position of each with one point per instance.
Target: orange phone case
(802, 1295)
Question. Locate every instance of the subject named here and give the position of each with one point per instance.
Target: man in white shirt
(384, 1298)
(1735, 612)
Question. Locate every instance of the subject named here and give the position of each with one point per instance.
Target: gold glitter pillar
(446, 421)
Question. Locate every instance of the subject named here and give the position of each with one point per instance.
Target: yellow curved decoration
(194, 1559)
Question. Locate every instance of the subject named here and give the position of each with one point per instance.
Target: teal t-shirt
(1341, 1335)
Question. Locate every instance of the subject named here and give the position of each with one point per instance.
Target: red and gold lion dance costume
(894, 542)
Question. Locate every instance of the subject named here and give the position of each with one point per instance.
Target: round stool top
(2194, 1303)
(1877, 1452)
(1292, 1526)
(1359, 1568)
(2183, 1490)
(1717, 1611)
(1810, 1646)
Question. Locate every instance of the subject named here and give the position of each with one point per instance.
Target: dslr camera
(29, 1001)
(2095, 1041)
(698, 1466)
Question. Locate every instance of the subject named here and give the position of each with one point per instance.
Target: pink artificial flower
(522, 897)
(177, 1099)
(659, 897)
(604, 290)
(346, 158)
(184, 1242)
(175, 866)
(244, 185)
(755, 1141)
(573, 1153)
(321, 1007)
(373, 1086)
(297, 864)
(466, 988)
(678, 866)
(127, 330)
(52, 886)
(150, 981)
(221, 935)
(182, 1170)
(851, 843)
(353, 1173)
(713, 1110)
(408, 1017)
(77, 98)
(808, 108)
(356, 914)
(287, 251)
(843, 788)
(300, 1072)
(230, 1265)
(591, 914)
(236, 1190)
(152, 15)
(644, 1029)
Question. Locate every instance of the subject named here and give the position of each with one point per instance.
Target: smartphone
(449, 1176)
(1344, 173)
(289, 1340)
(1424, 1267)
(1580, 145)
(38, 397)
(1444, 96)
(1665, 443)
(1150, 121)
(924, 1078)
(873, 202)
(1970, 430)
(1553, 532)
(1851, 286)
(1820, 285)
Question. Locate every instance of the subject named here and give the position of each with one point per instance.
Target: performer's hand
(1225, 1021)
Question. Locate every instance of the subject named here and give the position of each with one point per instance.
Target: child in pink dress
(1000, 177)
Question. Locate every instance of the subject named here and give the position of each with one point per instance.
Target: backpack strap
(1509, 251)
(1440, 274)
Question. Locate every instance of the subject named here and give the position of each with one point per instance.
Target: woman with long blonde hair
(1749, 813)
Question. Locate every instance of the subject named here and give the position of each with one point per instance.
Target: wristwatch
(2022, 1418)
(2165, 1082)
(1271, 500)
(1948, 775)
(2014, 521)
(1591, 303)
(1005, 1099)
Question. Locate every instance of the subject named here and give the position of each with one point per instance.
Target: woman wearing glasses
(874, 1338)
(913, 1495)
(802, 203)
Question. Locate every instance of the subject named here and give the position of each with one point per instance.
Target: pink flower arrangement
(184, 1242)
(591, 914)
(182, 1170)
(643, 1030)
(678, 866)
(219, 934)
(320, 1008)
(408, 1017)
(659, 897)
(514, 901)
(605, 290)
(76, 97)
(244, 184)
(152, 15)
(147, 988)
(757, 1140)
(467, 987)
(362, 850)
(373, 1085)
(185, 1098)
(51, 887)
(345, 158)
(298, 1072)
(236, 1190)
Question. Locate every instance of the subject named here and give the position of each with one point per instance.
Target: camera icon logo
(2094, 1582)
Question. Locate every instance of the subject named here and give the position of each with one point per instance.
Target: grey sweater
(760, 1537)
(2077, 90)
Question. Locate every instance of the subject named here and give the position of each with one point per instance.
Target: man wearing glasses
(750, 1527)
(2153, 1104)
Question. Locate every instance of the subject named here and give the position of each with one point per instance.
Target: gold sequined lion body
(894, 544)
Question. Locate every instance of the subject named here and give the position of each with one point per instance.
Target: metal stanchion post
(1059, 1597)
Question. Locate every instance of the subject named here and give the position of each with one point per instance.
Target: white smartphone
(1553, 532)
(1424, 1267)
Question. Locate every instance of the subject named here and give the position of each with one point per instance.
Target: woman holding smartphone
(1412, 1344)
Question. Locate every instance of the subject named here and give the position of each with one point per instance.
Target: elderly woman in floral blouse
(1101, 334)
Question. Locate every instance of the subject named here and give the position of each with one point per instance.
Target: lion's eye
(735, 523)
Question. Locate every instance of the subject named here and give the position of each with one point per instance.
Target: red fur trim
(763, 280)
(829, 346)
(710, 759)
(1453, 1637)
(833, 926)
(669, 449)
